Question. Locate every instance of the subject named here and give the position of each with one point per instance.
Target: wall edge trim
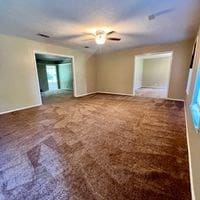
(85, 94)
(172, 99)
(189, 154)
(21, 108)
(116, 93)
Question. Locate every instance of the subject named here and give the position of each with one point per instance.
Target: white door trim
(154, 54)
(56, 54)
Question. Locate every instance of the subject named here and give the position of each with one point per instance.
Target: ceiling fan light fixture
(100, 37)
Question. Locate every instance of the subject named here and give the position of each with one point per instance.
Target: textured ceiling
(62, 19)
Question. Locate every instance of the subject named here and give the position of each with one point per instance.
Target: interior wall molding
(21, 108)
(172, 99)
(115, 93)
(189, 154)
(36, 105)
(81, 95)
(124, 94)
(86, 94)
(155, 87)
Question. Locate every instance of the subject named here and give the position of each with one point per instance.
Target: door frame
(55, 54)
(152, 54)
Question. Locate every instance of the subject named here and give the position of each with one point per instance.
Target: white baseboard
(116, 93)
(81, 95)
(18, 109)
(153, 87)
(86, 94)
(124, 94)
(189, 155)
(27, 107)
(172, 99)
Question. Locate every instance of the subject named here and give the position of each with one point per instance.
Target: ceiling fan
(100, 37)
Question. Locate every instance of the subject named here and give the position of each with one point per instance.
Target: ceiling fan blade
(135, 35)
(153, 16)
(114, 39)
(74, 36)
(69, 37)
(88, 39)
(88, 34)
(111, 32)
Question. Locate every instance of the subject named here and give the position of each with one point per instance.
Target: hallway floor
(151, 92)
(57, 97)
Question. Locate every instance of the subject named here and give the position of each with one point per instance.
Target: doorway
(152, 75)
(55, 76)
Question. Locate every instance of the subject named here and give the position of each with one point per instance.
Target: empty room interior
(99, 100)
(55, 76)
(152, 75)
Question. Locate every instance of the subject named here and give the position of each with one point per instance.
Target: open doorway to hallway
(152, 75)
(55, 76)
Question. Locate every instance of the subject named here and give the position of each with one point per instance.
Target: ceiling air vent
(43, 35)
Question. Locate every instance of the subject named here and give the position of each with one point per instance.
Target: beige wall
(115, 71)
(18, 77)
(193, 137)
(112, 72)
(156, 72)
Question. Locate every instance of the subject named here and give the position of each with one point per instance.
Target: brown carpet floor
(96, 147)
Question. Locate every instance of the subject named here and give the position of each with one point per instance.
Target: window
(195, 105)
(52, 77)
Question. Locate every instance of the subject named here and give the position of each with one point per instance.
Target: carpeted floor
(57, 97)
(151, 92)
(96, 147)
